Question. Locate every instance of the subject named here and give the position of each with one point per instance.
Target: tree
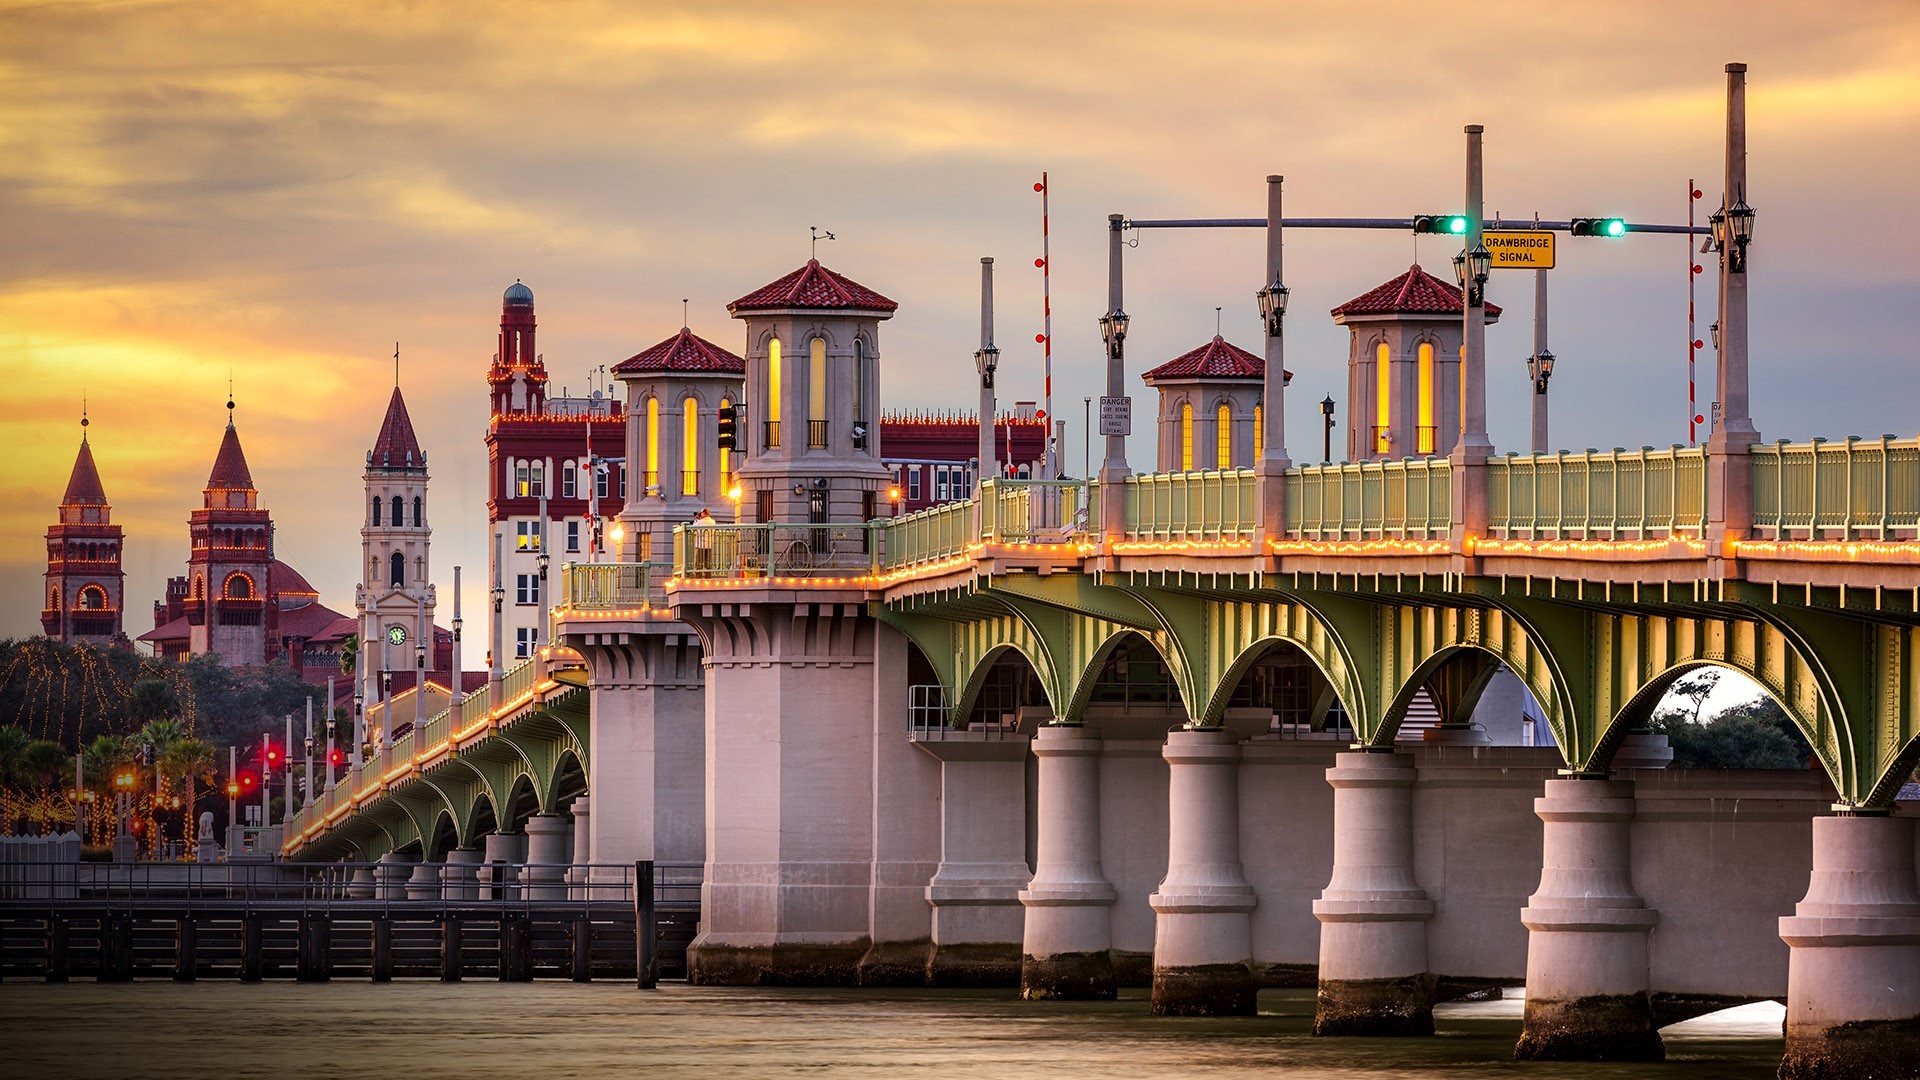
(349, 654)
(13, 749)
(152, 699)
(191, 762)
(1752, 734)
(159, 734)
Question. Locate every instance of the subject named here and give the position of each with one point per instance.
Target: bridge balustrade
(1613, 495)
(1826, 490)
(928, 536)
(1214, 505)
(613, 586)
(1030, 511)
(1411, 499)
(776, 549)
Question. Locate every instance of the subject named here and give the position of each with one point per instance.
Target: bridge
(1153, 728)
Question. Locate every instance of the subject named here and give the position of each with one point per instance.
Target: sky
(277, 193)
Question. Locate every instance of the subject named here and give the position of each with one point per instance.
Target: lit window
(690, 446)
(776, 406)
(653, 446)
(817, 379)
(526, 536)
(522, 480)
(1186, 437)
(1382, 404)
(1259, 432)
(1425, 443)
(726, 458)
(1223, 438)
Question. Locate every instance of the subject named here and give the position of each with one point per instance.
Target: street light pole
(1729, 481)
(1470, 454)
(1086, 438)
(985, 361)
(1540, 364)
(1326, 433)
(1271, 470)
(1113, 330)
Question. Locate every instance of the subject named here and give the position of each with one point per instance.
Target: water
(552, 1031)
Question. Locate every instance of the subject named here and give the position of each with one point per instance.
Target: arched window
(1186, 436)
(53, 598)
(1223, 437)
(1259, 432)
(859, 379)
(1425, 442)
(817, 392)
(690, 446)
(94, 598)
(1383, 399)
(419, 508)
(397, 518)
(653, 441)
(199, 587)
(238, 587)
(397, 569)
(773, 395)
(376, 509)
(726, 458)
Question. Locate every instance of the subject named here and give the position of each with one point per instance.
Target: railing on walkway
(1410, 499)
(1214, 505)
(1030, 511)
(1612, 495)
(1837, 491)
(926, 536)
(778, 549)
(410, 748)
(186, 885)
(613, 586)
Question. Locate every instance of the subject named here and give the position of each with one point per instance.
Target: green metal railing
(930, 535)
(778, 549)
(1613, 495)
(519, 679)
(1030, 511)
(1213, 505)
(1370, 500)
(1829, 490)
(613, 586)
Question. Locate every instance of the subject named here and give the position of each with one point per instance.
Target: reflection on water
(550, 1031)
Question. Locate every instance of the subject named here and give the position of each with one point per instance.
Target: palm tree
(158, 734)
(13, 748)
(349, 654)
(105, 756)
(190, 761)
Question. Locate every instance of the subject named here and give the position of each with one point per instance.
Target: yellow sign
(1520, 249)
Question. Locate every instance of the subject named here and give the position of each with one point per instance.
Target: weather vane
(819, 234)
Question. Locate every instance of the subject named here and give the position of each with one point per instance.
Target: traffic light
(727, 439)
(273, 758)
(1444, 224)
(335, 758)
(1597, 226)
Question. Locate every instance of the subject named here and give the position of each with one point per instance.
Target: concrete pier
(978, 919)
(1588, 995)
(547, 857)
(424, 884)
(1066, 950)
(1374, 975)
(459, 875)
(1853, 974)
(582, 835)
(1203, 942)
(390, 877)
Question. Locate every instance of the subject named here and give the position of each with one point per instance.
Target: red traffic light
(335, 758)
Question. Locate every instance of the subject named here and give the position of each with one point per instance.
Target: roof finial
(396, 365)
(684, 321)
(1216, 320)
(229, 397)
(818, 234)
(83, 416)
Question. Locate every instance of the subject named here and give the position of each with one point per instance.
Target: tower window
(1383, 399)
(1425, 443)
(775, 405)
(376, 509)
(238, 587)
(397, 570)
(94, 598)
(817, 392)
(418, 510)
(1223, 437)
(859, 379)
(690, 446)
(1259, 432)
(1186, 436)
(398, 518)
(726, 458)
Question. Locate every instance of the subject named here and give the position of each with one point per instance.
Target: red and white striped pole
(1694, 343)
(1051, 467)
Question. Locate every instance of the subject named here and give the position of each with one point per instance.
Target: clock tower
(395, 599)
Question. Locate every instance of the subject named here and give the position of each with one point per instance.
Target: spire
(396, 445)
(230, 465)
(83, 487)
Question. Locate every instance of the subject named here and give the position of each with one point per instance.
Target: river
(550, 1031)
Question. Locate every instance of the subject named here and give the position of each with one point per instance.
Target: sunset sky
(279, 192)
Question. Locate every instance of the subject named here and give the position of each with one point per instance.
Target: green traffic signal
(1446, 224)
(1588, 226)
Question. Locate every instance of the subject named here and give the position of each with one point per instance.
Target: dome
(518, 295)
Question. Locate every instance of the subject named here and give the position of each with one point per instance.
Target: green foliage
(1754, 734)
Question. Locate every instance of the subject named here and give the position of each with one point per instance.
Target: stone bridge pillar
(578, 874)
(1203, 940)
(1853, 976)
(1588, 995)
(458, 876)
(975, 894)
(546, 857)
(1374, 977)
(1067, 950)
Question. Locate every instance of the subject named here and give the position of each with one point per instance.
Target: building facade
(85, 584)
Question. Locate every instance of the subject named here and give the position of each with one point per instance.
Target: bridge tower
(1210, 407)
(675, 391)
(394, 600)
(1403, 369)
(84, 578)
(813, 394)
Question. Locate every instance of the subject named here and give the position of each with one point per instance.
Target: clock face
(397, 635)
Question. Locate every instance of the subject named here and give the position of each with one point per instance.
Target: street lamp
(1470, 272)
(499, 594)
(1540, 369)
(1739, 229)
(1715, 328)
(1326, 435)
(1273, 306)
(1113, 330)
(985, 361)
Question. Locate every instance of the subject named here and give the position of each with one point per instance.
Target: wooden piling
(186, 950)
(450, 948)
(253, 961)
(116, 948)
(516, 947)
(580, 933)
(646, 928)
(315, 963)
(382, 949)
(59, 953)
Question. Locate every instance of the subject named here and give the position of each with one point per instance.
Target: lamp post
(1270, 471)
(1326, 434)
(1540, 364)
(985, 360)
(453, 677)
(499, 594)
(1113, 331)
(1729, 481)
(1471, 269)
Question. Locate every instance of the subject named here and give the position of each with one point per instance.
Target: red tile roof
(230, 465)
(685, 351)
(1415, 292)
(284, 580)
(396, 445)
(173, 630)
(1217, 359)
(83, 487)
(813, 286)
